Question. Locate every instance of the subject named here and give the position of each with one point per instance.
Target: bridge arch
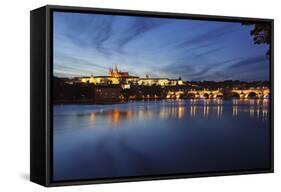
(206, 95)
(266, 96)
(252, 95)
(235, 95)
(191, 95)
(218, 96)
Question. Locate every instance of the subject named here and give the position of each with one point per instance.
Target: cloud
(208, 52)
(210, 35)
(194, 69)
(212, 71)
(249, 62)
(214, 76)
(252, 68)
(246, 69)
(84, 30)
(67, 67)
(63, 73)
(71, 62)
(138, 27)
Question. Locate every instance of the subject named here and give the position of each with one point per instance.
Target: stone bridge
(256, 93)
(213, 94)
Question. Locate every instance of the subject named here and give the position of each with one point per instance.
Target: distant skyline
(194, 50)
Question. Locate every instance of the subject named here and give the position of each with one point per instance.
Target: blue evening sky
(86, 44)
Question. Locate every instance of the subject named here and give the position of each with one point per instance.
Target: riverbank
(92, 102)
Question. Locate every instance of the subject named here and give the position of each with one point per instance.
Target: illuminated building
(117, 77)
(153, 81)
(117, 74)
(159, 81)
(114, 77)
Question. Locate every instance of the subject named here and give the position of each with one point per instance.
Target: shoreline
(135, 100)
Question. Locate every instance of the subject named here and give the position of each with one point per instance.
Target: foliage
(260, 33)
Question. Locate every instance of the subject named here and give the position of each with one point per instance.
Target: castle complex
(117, 77)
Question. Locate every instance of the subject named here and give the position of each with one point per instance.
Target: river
(144, 138)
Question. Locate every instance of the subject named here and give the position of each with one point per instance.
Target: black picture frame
(41, 58)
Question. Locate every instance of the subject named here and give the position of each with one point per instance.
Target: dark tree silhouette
(260, 33)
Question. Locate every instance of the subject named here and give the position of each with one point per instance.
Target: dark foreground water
(159, 137)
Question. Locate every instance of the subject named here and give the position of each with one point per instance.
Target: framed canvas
(123, 95)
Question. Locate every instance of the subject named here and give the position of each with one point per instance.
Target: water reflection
(164, 136)
(257, 108)
(192, 108)
(219, 107)
(205, 108)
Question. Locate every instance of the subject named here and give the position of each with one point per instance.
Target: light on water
(160, 137)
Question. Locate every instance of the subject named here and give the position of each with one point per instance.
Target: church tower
(116, 69)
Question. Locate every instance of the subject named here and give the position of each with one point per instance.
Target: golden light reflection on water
(208, 108)
(257, 109)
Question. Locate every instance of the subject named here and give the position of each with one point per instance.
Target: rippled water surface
(159, 137)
